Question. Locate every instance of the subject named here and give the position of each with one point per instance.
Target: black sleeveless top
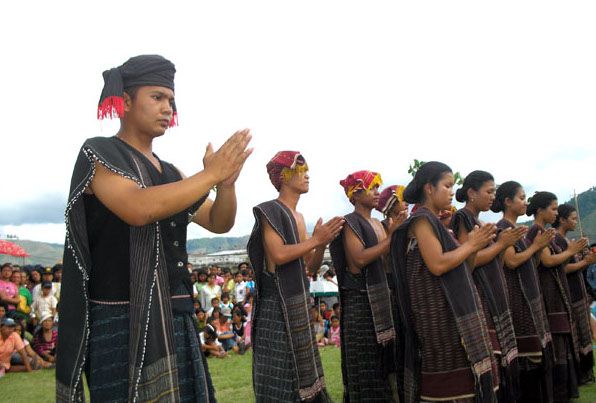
(109, 278)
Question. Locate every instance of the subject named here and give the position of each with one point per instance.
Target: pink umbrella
(12, 249)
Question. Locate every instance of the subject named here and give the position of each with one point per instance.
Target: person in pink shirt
(11, 342)
(335, 332)
(9, 292)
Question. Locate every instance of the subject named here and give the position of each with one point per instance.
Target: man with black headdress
(126, 308)
(286, 362)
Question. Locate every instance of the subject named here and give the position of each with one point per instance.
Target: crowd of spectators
(223, 299)
(29, 298)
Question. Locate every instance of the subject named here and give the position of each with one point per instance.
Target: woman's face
(441, 195)
(48, 323)
(211, 280)
(202, 277)
(570, 222)
(236, 317)
(484, 197)
(201, 315)
(35, 276)
(518, 205)
(549, 214)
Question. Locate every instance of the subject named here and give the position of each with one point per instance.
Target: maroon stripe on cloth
(530, 344)
(447, 385)
(559, 322)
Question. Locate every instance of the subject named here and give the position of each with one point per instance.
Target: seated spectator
(228, 284)
(2, 310)
(46, 276)
(250, 284)
(9, 292)
(334, 332)
(318, 325)
(209, 291)
(199, 284)
(248, 315)
(44, 340)
(337, 310)
(325, 313)
(46, 303)
(34, 359)
(225, 335)
(215, 314)
(239, 288)
(201, 320)
(238, 327)
(34, 278)
(24, 306)
(214, 305)
(10, 342)
(210, 346)
(226, 306)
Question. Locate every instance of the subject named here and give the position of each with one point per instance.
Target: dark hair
(225, 295)
(132, 91)
(564, 211)
(6, 265)
(214, 298)
(332, 318)
(475, 180)
(540, 200)
(211, 275)
(336, 305)
(430, 172)
(506, 190)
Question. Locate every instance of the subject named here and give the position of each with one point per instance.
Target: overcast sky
(507, 87)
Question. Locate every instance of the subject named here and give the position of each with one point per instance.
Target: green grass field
(231, 376)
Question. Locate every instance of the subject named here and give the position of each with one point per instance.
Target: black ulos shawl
(490, 281)
(580, 303)
(463, 299)
(533, 336)
(375, 278)
(152, 354)
(293, 287)
(555, 292)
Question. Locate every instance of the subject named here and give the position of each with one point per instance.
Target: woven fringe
(112, 107)
(312, 391)
(385, 337)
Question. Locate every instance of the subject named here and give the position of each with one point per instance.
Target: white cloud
(504, 87)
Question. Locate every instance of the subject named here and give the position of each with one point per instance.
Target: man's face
(48, 277)
(6, 273)
(35, 276)
(46, 291)
(16, 278)
(151, 110)
(367, 198)
(299, 181)
(58, 276)
(6, 331)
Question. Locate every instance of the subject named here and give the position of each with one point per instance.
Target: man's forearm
(314, 263)
(223, 212)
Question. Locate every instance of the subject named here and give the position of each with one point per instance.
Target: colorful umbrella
(12, 249)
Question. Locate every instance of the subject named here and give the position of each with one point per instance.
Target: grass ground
(231, 376)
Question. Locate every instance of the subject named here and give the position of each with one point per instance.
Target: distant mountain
(49, 253)
(210, 245)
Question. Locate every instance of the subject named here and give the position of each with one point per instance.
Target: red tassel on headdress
(111, 107)
(174, 120)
